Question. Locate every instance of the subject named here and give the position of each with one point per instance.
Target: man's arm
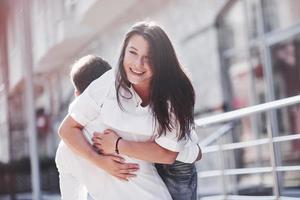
(71, 133)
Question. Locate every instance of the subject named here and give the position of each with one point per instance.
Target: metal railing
(237, 114)
(219, 148)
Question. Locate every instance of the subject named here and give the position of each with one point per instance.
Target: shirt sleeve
(190, 151)
(88, 105)
(170, 141)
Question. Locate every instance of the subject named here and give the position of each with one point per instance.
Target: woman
(149, 94)
(162, 86)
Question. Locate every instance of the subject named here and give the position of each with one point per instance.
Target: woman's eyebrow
(133, 48)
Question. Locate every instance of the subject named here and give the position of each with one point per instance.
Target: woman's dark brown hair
(172, 96)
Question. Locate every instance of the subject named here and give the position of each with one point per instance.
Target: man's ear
(76, 93)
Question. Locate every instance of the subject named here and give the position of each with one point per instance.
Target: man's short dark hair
(86, 70)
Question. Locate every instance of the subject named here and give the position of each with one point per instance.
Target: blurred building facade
(239, 53)
(62, 31)
(258, 43)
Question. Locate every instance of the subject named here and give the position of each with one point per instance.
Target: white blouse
(98, 104)
(97, 109)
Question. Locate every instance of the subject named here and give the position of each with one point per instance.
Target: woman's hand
(105, 142)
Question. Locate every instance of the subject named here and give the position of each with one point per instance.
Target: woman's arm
(71, 133)
(148, 151)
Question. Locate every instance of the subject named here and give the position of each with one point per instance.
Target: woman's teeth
(137, 72)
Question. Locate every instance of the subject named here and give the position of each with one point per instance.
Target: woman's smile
(137, 72)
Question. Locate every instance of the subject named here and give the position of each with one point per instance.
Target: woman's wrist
(122, 146)
(117, 145)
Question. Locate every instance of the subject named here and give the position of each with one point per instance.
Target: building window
(278, 14)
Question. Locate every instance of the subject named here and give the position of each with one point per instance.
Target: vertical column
(30, 112)
(270, 96)
(254, 99)
(4, 118)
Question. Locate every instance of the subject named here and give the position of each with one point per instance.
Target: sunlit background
(239, 53)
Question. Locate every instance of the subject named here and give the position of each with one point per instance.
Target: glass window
(241, 81)
(243, 69)
(208, 186)
(248, 88)
(290, 156)
(252, 17)
(211, 161)
(290, 152)
(255, 184)
(286, 67)
(232, 28)
(247, 79)
(286, 73)
(255, 156)
(290, 183)
(278, 14)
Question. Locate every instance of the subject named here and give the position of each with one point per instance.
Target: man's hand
(115, 166)
(199, 157)
(105, 142)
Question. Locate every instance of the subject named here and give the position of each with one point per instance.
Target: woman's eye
(133, 52)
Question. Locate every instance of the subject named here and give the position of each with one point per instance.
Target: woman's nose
(139, 62)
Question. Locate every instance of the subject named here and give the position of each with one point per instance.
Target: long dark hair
(172, 95)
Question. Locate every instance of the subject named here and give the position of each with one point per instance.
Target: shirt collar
(135, 96)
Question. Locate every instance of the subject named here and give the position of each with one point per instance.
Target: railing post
(273, 156)
(222, 162)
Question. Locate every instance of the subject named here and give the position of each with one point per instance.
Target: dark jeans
(180, 178)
